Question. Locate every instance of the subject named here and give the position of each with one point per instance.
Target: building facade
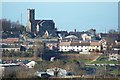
(114, 55)
(80, 46)
(39, 26)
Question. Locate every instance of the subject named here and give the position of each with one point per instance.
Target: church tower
(30, 19)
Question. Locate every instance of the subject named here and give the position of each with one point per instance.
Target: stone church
(39, 26)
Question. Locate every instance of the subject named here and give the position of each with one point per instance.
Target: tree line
(11, 29)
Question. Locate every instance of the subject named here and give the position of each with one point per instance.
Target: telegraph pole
(21, 19)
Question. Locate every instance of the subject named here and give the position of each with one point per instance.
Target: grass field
(21, 58)
(105, 62)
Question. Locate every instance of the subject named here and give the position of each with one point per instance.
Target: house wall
(114, 57)
(93, 48)
(79, 48)
(9, 49)
(52, 46)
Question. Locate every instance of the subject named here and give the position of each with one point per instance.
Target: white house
(114, 55)
(95, 46)
(77, 46)
(57, 72)
(80, 46)
(31, 64)
(104, 44)
(86, 37)
(71, 37)
(10, 49)
(64, 46)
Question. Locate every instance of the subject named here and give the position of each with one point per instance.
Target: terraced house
(80, 46)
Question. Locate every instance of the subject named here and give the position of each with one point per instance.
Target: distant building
(91, 32)
(51, 45)
(30, 19)
(62, 34)
(113, 36)
(39, 26)
(53, 72)
(58, 72)
(46, 34)
(10, 40)
(86, 37)
(78, 34)
(80, 46)
(42, 74)
(71, 37)
(10, 48)
(31, 64)
(95, 46)
(104, 44)
(117, 42)
(114, 55)
(116, 45)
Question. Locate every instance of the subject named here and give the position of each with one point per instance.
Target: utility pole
(105, 70)
(21, 19)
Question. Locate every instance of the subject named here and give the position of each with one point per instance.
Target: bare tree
(38, 49)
